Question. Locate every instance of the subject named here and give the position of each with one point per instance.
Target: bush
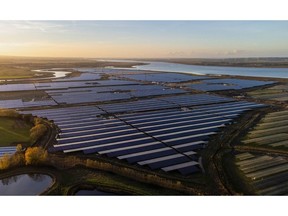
(35, 155)
(37, 131)
(38, 121)
(8, 113)
(32, 156)
(5, 162)
(19, 148)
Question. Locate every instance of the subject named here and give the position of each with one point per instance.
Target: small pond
(94, 192)
(26, 184)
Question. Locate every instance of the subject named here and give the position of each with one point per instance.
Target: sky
(144, 39)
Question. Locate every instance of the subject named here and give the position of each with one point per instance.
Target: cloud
(233, 52)
(41, 26)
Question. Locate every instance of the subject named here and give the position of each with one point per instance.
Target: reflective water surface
(241, 71)
(94, 192)
(215, 70)
(26, 184)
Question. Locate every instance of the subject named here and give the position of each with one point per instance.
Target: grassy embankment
(14, 128)
(13, 131)
(20, 129)
(69, 181)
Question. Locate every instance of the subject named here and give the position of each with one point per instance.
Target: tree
(5, 161)
(35, 155)
(37, 131)
(19, 148)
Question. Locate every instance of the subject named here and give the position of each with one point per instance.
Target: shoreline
(251, 62)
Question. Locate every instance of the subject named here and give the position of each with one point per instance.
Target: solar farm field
(153, 123)
(267, 175)
(275, 93)
(271, 131)
(227, 84)
(158, 133)
(109, 93)
(163, 77)
(75, 92)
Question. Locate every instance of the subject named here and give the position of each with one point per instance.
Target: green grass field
(13, 131)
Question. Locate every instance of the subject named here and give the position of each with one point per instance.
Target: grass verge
(13, 131)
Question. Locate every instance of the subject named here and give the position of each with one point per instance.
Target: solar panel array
(84, 96)
(77, 84)
(196, 99)
(164, 103)
(160, 133)
(18, 103)
(7, 150)
(187, 130)
(163, 77)
(268, 175)
(166, 139)
(112, 137)
(83, 76)
(227, 84)
(62, 85)
(277, 93)
(109, 93)
(16, 87)
(139, 105)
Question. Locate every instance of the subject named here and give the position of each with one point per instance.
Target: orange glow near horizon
(144, 39)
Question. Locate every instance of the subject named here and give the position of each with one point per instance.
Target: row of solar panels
(164, 102)
(19, 103)
(7, 150)
(150, 104)
(268, 174)
(159, 139)
(62, 85)
(115, 138)
(163, 77)
(205, 85)
(227, 84)
(84, 95)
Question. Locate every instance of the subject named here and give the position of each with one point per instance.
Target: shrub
(8, 113)
(35, 155)
(37, 131)
(5, 161)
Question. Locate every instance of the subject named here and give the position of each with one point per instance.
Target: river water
(214, 70)
(26, 184)
(56, 72)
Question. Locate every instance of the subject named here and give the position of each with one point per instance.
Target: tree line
(31, 156)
